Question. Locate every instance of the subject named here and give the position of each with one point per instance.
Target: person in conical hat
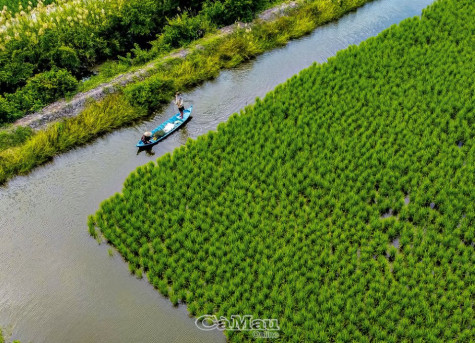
(146, 137)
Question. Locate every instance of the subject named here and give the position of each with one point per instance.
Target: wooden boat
(166, 128)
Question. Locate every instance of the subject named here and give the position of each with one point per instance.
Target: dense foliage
(39, 91)
(22, 5)
(74, 35)
(293, 208)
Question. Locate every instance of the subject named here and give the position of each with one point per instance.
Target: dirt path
(70, 108)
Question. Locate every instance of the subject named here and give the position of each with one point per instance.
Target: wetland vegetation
(290, 209)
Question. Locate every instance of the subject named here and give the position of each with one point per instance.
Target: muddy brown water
(56, 283)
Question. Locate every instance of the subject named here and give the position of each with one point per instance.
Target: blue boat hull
(176, 121)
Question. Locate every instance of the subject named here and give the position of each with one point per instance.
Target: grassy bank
(347, 212)
(143, 97)
(97, 119)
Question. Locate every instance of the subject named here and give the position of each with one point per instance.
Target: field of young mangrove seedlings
(342, 204)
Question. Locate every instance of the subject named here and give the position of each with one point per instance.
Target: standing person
(179, 103)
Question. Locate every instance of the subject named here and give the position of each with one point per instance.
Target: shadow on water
(56, 283)
(148, 150)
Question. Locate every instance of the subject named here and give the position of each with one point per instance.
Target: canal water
(56, 283)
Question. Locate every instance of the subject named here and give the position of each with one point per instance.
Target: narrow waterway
(56, 283)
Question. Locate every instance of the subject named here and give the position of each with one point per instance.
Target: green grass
(96, 119)
(143, 97)
(280, 213)
(11, 137)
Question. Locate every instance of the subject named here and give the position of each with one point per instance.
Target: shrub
(150, 93)
(142, 17)
(228, 11)
(46, 87)
(39, 91)
(8, 110)
(183, 29)
(67, 58)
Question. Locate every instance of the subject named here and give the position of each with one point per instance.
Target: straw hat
(148, 134)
